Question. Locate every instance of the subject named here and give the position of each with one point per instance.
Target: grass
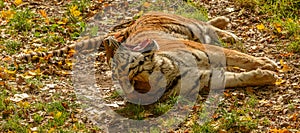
(12, 47)
(283, 19)
(22, 20)
(187, 9)
(22, 30)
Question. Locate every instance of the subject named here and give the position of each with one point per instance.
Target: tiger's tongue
(140, 46)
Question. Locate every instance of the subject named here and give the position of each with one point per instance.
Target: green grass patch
(294, 46)
(14, 124)
(2, 4)
(22, 20)
(12, 47)
(205, 128)
(187, 9)
(133, 111)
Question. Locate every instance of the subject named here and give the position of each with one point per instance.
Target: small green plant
(115, 94)
(162, 108)
(55, 106)
(37, 118)
(38, 106)
(247, 3)
(291, 106)
(205, 128)
(3, 101)
(294, 46)
(132, 111)
(81, 4)
(155, 130)
(266, 122)
(14, 124)
(1, 3)
(22, 20)
(53, 39)
(190, 10)
(60, 117)
(237, 119)
(12, 47)
(35, 82)
(280, 8)
(252, 101)
(187, 9)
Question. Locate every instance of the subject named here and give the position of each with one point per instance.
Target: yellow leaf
(32, 73)
(146, 4)
(290, 20)
(74, 127)
(10, 72)
(74, 12)
(69, 63)
(279, 81)
(260, 26)
(278, 29)
(38, 71)
(23, 104)
(43, 13)
(58, 115)
(47, 21)
(7, 14)
(59, 63)
(277, 24)
(285, 67)
(65, 73)
(34, 57)
(18, 2)
(63, 21)
(51, 130)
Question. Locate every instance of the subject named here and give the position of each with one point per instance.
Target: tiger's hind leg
(219, 24)
(252, 78)
(237, 59)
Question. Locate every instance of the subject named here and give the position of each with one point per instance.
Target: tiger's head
(132, 67)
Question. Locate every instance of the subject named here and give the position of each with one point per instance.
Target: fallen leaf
(285, 67)
(74, 11)
(279, 81)
(58, 115)
(23, 104)
(34, 129)
(43, 13)
(63, 21)
(294, 117)
(146, 4)
(19, 97)
(51, 130)
(260, 27)
(7, 14)
(10, 72)
(18, 2)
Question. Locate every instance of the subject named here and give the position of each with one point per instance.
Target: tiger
(155, 64)
(178, 26)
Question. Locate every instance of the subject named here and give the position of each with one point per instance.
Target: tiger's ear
(148, 45)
